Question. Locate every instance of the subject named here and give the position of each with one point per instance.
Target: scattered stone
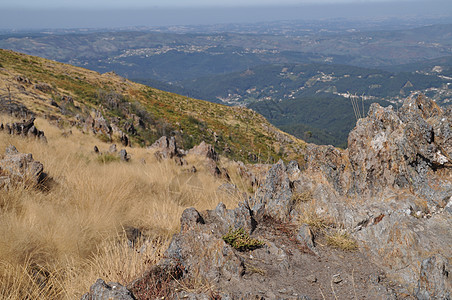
(337, 278)
(180, 161)
(113, 290)
(98, 124)
(123, 155)
(124, 139)
(53, 103)
(67, 99)
(43, 87)
(25, 128)
(96, 150)
(112, 148)
(306, 237)
(311, 278)
(22, 79)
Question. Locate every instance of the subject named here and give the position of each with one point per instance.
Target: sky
(167, 3)
(41, 14)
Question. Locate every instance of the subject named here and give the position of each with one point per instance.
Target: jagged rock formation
(19, 168)
(283, 267)
(166, 148)
(392, 187)
(26, 128)
(204, 150)
(98, 125)
(391, 190)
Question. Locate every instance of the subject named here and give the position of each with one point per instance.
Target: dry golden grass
(56, 243)
(340, 239)
(330, 230)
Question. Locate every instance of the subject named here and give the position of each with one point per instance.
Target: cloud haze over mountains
(24, 15)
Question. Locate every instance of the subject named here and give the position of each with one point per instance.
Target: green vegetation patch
(107, 158)
(241, 240)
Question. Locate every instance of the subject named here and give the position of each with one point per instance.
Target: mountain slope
(70, 94)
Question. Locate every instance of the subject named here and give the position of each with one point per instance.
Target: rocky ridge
(390, 191)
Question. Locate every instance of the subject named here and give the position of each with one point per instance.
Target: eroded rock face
(19, 168)
(166, 148)
(204, 150)
(98, 124)
(402, 150)
(405, 150)
(391, 188)
(274, 197)
(435, 280)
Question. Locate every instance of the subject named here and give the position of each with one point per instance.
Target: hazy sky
(167, 3)
(39, 14)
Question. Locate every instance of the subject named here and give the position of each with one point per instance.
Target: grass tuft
(105, 158)
(340, 239)
(55, 244)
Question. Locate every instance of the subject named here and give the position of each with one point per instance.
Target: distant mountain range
(276, 69)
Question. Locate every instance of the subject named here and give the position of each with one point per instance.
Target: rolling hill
(69, 95)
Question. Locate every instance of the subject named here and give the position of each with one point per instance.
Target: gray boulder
(274, 197)
(166, 148)
(111, 291)
(20, 168)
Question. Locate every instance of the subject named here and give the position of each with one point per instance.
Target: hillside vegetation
(56, 243)
(57, 240)
(70, 94)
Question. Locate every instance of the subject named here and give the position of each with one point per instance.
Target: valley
(267, 67)
(118, 182)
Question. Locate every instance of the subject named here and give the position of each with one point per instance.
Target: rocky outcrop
(390, 190)
(205, 150)
(43, 87)
(435, 280)
(279, 266)
(26, 128)
(211, 158)
(98, 125)
(403, 150)
(103, 291)
(274, 197)
(19, 169)
(166, 148)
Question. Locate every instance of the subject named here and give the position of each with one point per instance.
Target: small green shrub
(241, 240)
(107, 158)
(104, 138)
